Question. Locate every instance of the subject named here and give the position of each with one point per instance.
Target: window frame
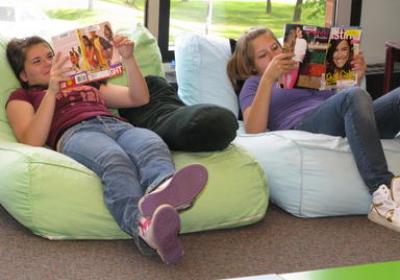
(161, 11)
(351, 16)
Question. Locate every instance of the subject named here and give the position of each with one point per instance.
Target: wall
(380, 20)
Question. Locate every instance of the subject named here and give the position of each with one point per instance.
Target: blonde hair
(241, 64)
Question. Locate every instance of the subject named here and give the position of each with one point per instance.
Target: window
(37, 17)
(229, 18)
(7, 13)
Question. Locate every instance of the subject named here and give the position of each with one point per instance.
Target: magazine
(314, 48)
(91, 53)
(344, 43)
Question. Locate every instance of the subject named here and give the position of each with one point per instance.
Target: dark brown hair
(16, 54)
(333, 44)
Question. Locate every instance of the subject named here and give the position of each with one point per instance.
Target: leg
(201, 127)
(160, 223)
(163, 101)
(153, 160)
(148, 153)
(350, 114)
(130, 161)
(118, 175)
(387, 114)
(121, 186)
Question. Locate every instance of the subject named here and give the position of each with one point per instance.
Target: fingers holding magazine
(58, 72)
(280, 65)
(124, 45)
(359, 66)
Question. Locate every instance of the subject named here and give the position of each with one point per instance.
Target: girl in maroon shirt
(141, 188)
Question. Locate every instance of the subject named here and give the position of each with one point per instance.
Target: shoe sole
(376, 218)
(185, 185)
(164, 233)
(395, 191)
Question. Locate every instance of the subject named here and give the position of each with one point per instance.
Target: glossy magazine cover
(91, 54)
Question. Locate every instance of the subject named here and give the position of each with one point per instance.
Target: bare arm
(32, 127)
(256, 115)
(136, 93)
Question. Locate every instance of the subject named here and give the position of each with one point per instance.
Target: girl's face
(299, 32)
(85, 41)
(341, 54)
(107, 33)
(265, 48)
(37, 65)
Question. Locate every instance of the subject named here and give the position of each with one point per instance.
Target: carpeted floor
(280, 243)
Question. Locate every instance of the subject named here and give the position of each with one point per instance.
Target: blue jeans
(128, 160)
(351, 113)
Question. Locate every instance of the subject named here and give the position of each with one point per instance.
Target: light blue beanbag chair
(314, 175)
(309, 175)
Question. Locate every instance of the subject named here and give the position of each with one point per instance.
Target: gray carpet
(280, 243)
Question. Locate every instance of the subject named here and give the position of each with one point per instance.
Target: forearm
(37, 131)
(256, 119)
(138, 90)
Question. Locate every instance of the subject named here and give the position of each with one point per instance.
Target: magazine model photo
(344, 43)
(320, 60)
(91, 53)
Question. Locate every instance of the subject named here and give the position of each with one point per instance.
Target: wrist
(51, 92)
(266, 79)
(129, 58)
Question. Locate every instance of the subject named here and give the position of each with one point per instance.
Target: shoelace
(144, 225)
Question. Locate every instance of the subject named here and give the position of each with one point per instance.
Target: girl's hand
(359, 66)
(279, 65)
(124, 45)
(58, 73)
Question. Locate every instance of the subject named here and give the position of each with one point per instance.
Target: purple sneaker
(179, 191)
(161, 233)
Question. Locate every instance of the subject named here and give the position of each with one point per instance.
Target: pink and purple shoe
(179, 191)
(161, 231)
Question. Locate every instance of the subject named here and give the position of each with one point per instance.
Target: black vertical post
(355, 14)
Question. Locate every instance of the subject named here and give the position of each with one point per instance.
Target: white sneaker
(395, 187)
(384, 210)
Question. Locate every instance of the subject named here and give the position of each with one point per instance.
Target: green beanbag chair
(58, 198)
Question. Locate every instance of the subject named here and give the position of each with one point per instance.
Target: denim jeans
(351, 113)
(128, 160)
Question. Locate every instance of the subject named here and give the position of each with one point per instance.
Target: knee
(112, 159)
(357, 97)
(148, 138)
(396, 91)
(394, 95)
(209, 128)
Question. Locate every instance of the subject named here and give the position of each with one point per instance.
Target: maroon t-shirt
(72, 106)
